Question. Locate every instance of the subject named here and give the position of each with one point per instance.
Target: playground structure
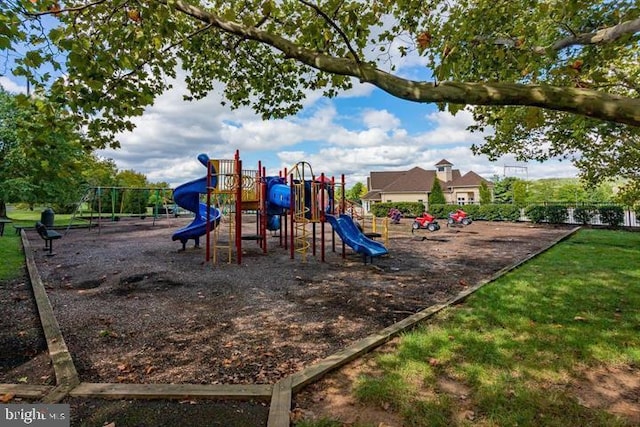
(292, 205)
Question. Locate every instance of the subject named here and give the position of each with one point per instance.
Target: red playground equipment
(425, 221)
(458, 217)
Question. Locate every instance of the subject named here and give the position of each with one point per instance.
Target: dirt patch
(24, 357)
(613, 389)
(332, 397)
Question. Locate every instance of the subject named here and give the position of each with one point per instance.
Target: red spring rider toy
(425, 221)
(458, 217)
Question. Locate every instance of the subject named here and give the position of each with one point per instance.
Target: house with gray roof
(414, 185)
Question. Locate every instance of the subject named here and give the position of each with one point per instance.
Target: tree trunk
(3, 209)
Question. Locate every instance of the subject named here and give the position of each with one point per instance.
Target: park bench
(19, 228)
(3, 221)
(47, 235)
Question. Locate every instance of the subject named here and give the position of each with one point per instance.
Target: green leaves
(519, 61)
(40, 150)
(461, 41)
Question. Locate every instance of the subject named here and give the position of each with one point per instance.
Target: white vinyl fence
(630, 218)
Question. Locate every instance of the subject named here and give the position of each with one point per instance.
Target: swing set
(125, 202)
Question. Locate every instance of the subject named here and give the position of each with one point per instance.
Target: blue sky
(361, 131)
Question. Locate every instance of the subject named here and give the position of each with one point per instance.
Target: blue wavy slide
(187, 196)
(352, 236)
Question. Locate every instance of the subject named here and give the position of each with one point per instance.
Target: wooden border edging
(173, 391)
(27, 391)
(65, 370)
(280, 403)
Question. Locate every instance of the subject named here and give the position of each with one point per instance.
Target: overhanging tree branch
(333, 25)
(56, 11)
(586, 102)
(142, 64)
(604, 35)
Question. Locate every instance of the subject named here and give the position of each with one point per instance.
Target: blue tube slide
(187, 196)
(278, 201)
(279, 194)
(352, 236)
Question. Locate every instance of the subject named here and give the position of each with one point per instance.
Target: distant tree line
(44, 160)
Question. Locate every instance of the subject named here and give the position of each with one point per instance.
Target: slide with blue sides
(352, 236)
(187, 196)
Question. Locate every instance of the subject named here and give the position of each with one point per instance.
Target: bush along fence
(553, 213)
(608, 215)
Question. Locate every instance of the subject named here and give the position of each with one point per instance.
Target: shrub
(408, 209)
(490, 212)
(499, 212)
(508, 212)
(536, 213)
(556, 214)
(584, 214)
(612, 215)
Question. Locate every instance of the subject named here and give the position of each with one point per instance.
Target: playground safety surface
(133, 308)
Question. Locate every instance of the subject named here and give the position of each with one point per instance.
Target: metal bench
(48, 236)
(19, 228)
(3, 221)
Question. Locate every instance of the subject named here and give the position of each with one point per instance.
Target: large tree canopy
(564, 73)
(43, 159)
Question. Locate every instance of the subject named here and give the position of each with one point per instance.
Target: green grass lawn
(12, 265)
(517, 346)
(28, 218)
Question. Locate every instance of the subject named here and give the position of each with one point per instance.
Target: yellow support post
(224, 193)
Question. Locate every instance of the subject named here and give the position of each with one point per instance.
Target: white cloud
(172, 132)
(359, 89)
(450, 129)
(11, 86)
(381, 119)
